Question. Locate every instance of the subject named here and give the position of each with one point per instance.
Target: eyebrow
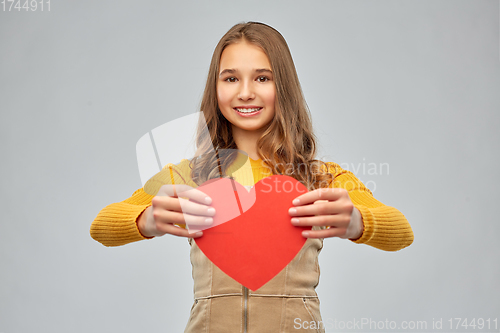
(232, 71)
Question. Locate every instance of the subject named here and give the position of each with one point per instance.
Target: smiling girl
(253, 103)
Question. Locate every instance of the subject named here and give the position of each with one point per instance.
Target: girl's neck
(247, 141)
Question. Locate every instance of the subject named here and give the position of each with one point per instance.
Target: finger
(183, 206)
(181, 232)
(193, 208)
(322, 208)
(339, 221)
(166, 203)
(330, 194)
(185, 191)
(327, 233)
(197, 222)
(165, 217)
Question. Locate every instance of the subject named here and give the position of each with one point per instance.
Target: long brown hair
(288, 143)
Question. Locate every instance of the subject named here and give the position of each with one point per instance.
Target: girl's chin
(249, 128)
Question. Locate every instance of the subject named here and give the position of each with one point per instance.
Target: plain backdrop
(403, 93)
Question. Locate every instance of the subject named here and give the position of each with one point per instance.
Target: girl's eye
(231, 79)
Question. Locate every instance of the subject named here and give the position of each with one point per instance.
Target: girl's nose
(246, 91)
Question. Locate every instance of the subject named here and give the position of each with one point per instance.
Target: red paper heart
(256, 245)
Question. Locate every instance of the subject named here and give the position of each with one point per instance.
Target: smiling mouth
(247, 110)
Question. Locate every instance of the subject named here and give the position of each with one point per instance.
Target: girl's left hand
(327, 207)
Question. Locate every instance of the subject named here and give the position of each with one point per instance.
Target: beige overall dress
(283, 304)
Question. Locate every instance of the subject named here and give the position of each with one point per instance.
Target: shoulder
(333, 168)
(181, 169)
(344, 178)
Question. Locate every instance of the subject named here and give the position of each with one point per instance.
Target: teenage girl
(253, 102)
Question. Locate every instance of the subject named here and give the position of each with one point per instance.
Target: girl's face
(245, 87)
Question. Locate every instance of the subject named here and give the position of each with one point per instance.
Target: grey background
(413, 84)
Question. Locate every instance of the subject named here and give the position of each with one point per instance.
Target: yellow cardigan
(385, 227)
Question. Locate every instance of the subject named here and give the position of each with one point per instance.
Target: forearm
(385, 228)
(116, 224)
(125, 222)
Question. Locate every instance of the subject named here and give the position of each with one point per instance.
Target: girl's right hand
(169, 207)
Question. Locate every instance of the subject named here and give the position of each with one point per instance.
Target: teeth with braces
(248, 110)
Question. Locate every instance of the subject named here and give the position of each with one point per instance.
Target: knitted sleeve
(116, 224)
(385, 227)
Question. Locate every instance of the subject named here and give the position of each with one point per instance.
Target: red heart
(256, 245)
